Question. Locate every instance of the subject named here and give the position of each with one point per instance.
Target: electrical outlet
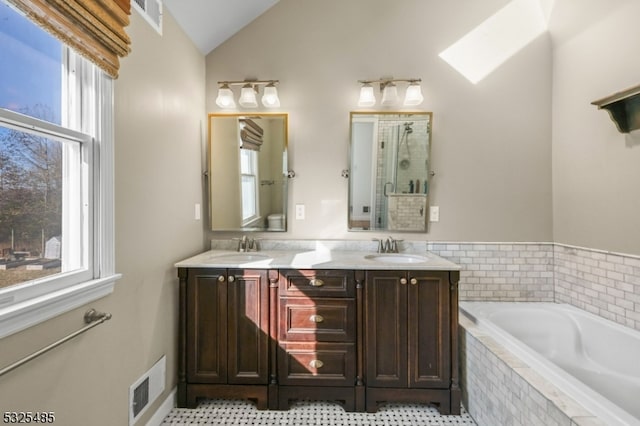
(434, 214)
(300, 211)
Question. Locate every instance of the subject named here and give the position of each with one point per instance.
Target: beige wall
(491, 141)
(491, 149)
(159, 108)
(596, 169)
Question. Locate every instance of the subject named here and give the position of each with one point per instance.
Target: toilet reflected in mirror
(248, 172)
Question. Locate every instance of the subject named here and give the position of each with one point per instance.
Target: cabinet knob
(231, 278)
(316, 318)
(221, 279)
(414, 281)
(316, 363)
(403, 280)
(316, 282)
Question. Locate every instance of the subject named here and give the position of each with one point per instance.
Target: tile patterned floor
(244, 413)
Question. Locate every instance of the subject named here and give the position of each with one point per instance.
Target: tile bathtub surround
(227, 413)
(515, 272)
(499, 389)
(604, 283)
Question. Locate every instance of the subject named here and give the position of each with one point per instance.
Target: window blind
(93, 28)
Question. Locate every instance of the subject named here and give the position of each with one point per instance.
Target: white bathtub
(593, 360)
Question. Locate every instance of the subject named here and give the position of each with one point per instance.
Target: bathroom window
(249, 185)
(55, 176)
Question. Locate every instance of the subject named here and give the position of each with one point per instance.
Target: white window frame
(89, 93)
(253, 174)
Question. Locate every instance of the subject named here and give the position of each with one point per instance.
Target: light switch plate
(434, 213)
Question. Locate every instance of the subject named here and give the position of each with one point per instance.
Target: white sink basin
(397, 258)
(241, 257)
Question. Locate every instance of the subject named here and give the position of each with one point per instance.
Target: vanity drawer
(322, 364)
(327, 283)
(317, 319)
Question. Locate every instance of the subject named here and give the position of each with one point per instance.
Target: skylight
(486, 47)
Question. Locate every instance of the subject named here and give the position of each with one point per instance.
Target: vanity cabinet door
(206, 355)
(227, 326)
(407, 329)
(428, 330)
(248, 326)
(386, 329)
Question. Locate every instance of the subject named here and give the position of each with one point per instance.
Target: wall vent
(151, 11)
(140, 397)
(146, 389)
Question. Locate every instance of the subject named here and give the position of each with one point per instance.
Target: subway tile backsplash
(604, 283)
(502, 271)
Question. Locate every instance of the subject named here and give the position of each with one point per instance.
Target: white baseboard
(165, 408)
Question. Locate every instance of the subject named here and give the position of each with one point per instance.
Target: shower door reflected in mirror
(248, 172)
(389, 171)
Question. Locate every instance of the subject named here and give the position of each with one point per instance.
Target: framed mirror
(248, 172)
(389, 171)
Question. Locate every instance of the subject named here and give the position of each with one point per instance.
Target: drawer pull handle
(316, 318)
(403, 281)
(316, 282)
(231, 278)
(414, 281)
(316, 363)
(221, 279)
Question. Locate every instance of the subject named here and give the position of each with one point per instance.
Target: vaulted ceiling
(208, 23)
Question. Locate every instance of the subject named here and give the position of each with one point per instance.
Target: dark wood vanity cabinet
(358, 337)
(224, 339)
(410, 339)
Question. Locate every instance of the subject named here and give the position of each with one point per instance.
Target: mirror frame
(284, 177)
(428, 175)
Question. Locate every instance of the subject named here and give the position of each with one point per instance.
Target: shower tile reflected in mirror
(389, 171)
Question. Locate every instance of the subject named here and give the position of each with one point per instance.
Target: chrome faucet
(247, 244)
(387, 246)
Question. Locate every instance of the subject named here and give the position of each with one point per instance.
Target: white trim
(167, 405)
(20, 316)
(34, 302)
(602, 251)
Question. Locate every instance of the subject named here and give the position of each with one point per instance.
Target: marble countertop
(319, 259)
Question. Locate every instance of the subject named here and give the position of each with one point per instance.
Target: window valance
(94, 28)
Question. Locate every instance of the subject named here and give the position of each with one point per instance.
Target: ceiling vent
(151, 10)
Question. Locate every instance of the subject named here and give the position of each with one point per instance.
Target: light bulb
(413, 96)
(367, 98)
(270, 98)
(389, 94)
(225, 97)
(248, 97)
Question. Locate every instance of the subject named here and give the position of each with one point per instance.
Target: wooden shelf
(624, 108)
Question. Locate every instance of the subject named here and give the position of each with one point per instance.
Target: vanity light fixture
(389, 94)
(248, 98)
(413, 94)
(225, 97)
